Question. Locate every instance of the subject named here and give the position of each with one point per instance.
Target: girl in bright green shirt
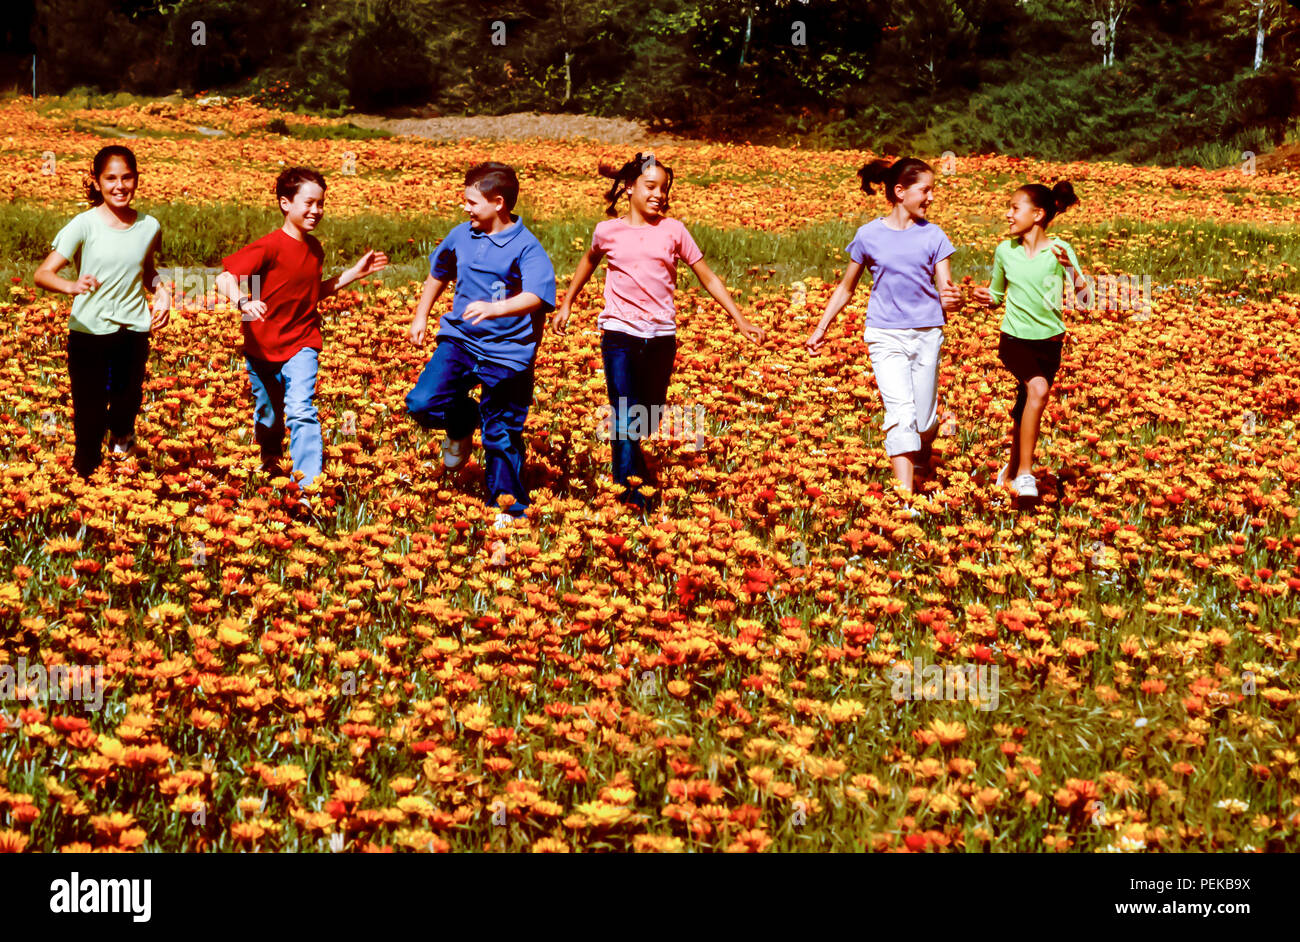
(114, 248)
(1030, 271)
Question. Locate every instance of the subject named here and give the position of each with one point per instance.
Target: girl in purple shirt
(911, 288)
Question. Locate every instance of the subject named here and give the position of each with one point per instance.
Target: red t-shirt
(288, 281)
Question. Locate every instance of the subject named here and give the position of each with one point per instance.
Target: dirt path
(521, 126)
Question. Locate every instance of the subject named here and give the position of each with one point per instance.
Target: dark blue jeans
(440, 400)
(637, 371)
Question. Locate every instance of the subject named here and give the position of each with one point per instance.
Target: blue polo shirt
(493, 267)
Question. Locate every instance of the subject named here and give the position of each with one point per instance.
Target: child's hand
(86, 282)
(816, 340)
(983, 295)
(253, 311)
(476, 312)
(370, 263)
(1062, 256)
(751, 331)
(418, 326)
(162, 309)
(950, 298)
(560, 319)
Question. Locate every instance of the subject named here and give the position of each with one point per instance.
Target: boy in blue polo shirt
(505, 287)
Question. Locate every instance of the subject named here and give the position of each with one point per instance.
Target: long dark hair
(627, 174)
(93, 193)
(1052, 202)
(902, 173)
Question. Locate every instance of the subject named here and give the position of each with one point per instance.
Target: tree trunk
(568, 76)
(1259, 36)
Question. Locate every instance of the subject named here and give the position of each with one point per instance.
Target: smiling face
(482, 209)
(307, 206)
(117, 183)
(916, 199)
(649, 194)
(1022, 214)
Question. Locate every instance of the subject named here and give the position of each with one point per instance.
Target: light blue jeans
(283, 395)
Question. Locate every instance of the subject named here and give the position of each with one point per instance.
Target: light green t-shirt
(116, 257)
(1032, 288)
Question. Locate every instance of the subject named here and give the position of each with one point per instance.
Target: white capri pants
(906, 364)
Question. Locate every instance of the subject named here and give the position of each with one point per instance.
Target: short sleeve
(1074, 259)
(70, 238)
(250, 260)
(598, 241)
(537, 274)
(942, 247)
(687, 250)
(857, 249)
(442, 260)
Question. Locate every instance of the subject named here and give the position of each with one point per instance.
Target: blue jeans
(282, 395)
(637, 371)
(440, 400)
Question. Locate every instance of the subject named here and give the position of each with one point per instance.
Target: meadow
(391, 673)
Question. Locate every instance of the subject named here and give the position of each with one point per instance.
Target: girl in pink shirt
(638, 324)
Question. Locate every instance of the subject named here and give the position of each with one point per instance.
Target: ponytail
(1052, 202)
(627, 174)
(902, 173)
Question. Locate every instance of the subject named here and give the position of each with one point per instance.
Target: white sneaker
(1026, 486)
(1002, 475)
(121, 446)
(503, 522)
(456, 453)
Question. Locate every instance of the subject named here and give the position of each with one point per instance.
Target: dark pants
(441, 400)
(1026, 359)
(107, 373)
(637, 371)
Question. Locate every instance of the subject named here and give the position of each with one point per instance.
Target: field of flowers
(393, 673)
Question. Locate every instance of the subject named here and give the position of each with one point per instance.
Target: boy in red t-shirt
(276, 282)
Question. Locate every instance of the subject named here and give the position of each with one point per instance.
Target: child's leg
(651, 375)
(88, 372)
(621, 353)
(928, 344)
(267, 383)
(306, 445)
(127, 369)
(1036, 391)
(440, 398)
(891, 360)
(506, 396)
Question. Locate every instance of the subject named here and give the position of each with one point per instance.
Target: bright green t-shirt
(116, 257)
(1032, 287)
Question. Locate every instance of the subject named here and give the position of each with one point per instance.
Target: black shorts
(1027, 359)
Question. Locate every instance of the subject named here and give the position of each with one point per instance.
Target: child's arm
(997, 286)
(47, 277)
(949, 293)
(713, 284)
(433, 288)
(253, 309)
(1082, 290)
(587, 266)
(368, 264)
(839, 299)
(476, 312)
(162, 301)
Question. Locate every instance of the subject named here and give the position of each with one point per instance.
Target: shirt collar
(503, 237)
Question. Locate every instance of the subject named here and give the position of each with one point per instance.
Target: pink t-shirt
(642, 276)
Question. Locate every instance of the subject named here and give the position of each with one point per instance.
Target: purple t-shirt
(902, 273)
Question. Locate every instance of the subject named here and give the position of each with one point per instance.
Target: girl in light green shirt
(1030, 272)
(108, 338)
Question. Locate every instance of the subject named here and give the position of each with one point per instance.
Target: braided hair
(627, 175)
